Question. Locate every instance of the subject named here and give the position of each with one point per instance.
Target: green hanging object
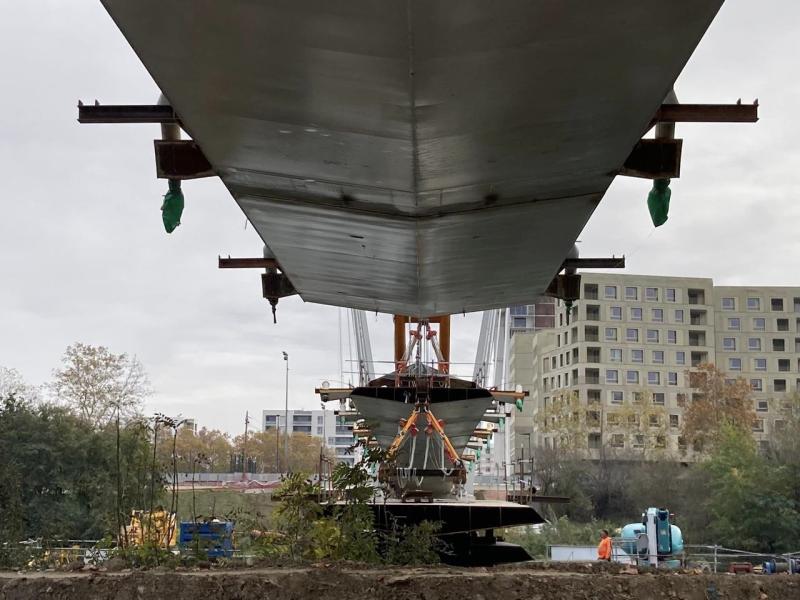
(518, 402)
(172, 208)
(502, 423)
(658, 201)
(478, 454)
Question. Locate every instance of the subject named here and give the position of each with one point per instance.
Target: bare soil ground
(529, 581)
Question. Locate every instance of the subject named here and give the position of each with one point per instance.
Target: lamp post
(286, 419)
(278, 444)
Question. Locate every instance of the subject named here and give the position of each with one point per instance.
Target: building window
(638, 397)
(616, 397)
(610, 292)
(729, 344)
(754, 304)
(590, 291)
(778, 345)
(658, 357)
(651, 294)
(637, 356)
(779, 385)
(762, 405)
(615, 355)
(672, 378)
(756, 385)
(783, 364)
(760, 364)
(658, 315)
(670, 295)
(638, 441)
(617, 440)
(615, 313)
(654, 420)
(758, 425)
(777, 304)
(754, 344)
(759, 324)
(632, 335)
(631, 293)
(728, 304)
(611, 334)
(734, 324)
(654, 378)
(652, 336)
(680, 357)
(679, 315)
(674, 421)
(636, 313)
(735, 364)
(672, 336)
(783, 324)
(680, 399)
(658, 398)
(633, 377)
(612, 376)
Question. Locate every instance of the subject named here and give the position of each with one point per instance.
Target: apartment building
(335, 432)
(758, 338)
(623, 352)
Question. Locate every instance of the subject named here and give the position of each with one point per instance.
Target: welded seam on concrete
(412, 100)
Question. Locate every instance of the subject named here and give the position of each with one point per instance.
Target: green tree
(749, 499)
(59, 473)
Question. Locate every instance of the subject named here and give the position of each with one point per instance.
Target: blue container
(213, 537)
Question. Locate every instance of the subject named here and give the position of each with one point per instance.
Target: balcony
(592, 377)
(591, 334)
(593, 354)
(697, 338)
(699, 358)
(592, 312)
(698, 317)
(696, 296)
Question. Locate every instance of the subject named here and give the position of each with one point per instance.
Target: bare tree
(97, 384)
(12, 384)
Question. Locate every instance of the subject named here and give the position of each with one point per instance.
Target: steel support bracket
(181, 159)
(654, 159)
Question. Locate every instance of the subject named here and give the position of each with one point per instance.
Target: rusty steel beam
(248, 263)
(594, 263)
(706, 113)
(126, 113)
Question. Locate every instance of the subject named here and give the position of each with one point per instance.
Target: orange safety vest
(604, 549)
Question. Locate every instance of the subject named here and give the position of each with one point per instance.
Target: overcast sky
(84, 256)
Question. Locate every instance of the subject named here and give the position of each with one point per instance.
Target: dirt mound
(334, 583)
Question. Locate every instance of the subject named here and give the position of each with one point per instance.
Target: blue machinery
(654, 541)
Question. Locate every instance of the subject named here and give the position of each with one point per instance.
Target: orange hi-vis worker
(604, 547)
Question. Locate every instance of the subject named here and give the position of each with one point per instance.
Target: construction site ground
(529, 581)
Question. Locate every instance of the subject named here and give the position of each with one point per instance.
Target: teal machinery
(654, 541)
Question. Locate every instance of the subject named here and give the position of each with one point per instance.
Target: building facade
(618, 363)
(336, 434)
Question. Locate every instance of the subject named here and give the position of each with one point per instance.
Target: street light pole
(286, 419)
